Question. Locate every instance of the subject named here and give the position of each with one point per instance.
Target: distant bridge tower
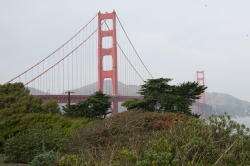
(111, 74)
(200, 77)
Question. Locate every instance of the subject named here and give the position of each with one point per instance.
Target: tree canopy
(15, 98)
(94, 106)
(160, 96)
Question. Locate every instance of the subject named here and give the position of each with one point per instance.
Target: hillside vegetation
(146, 139)
(158, 130)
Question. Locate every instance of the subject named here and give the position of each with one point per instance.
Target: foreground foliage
(35, 132)
(70, 159)
(27, 135)
(26, 145)
(45, 159)
(145, 139)
(222, 142)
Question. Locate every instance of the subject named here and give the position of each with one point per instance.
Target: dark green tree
(51, 106)
(160, 96)
(15, 98)
(94, 106)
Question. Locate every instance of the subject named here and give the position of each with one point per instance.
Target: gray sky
(174, 37)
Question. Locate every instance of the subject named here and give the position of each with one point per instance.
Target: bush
(45, 159)
(144, 139)
(158, 152)
(25, 146)
(130, 130)
(18, 123)
(125, 157)
(70, 160)
(220, 142)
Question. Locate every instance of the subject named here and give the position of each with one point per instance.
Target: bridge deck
(79, 98)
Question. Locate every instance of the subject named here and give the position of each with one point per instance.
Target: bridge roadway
(205, 108)
(79, 98)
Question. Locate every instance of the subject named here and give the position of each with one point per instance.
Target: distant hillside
(35, 91)
(227, 103)
(126, 90)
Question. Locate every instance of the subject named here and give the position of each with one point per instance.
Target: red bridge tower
(112, 74)
(200, 75)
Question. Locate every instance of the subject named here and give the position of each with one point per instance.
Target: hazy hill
(35, 91)
(227, 103)
(127, 90)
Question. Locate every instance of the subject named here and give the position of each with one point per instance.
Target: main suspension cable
(60, 47)
(70, 53)
(136, 52)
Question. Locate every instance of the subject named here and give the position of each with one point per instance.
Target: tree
(11, 93)
(159, 96)
(51, 106)
(15, 98)
(94, 106)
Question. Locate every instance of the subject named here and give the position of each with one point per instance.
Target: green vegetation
(145, 139)
(45, 159)
(131, 130)
(94, 106)
(159, 96)
(158, 130)
(19, 123)
(15, 99)
(51, 106)
(26, 145)
(30, 127)
(70, 159)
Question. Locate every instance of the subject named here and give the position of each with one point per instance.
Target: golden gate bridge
(100, 56)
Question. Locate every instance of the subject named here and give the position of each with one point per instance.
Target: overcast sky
(174, 37)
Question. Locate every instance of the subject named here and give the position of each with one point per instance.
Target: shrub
(143, 139)
(45, 159)
(25, 146)
(18, 123)
(194, 142)
(70, 160)
(158, 152)
(125, 157)
(130, 130)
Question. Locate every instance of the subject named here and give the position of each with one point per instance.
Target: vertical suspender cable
(136, 52)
